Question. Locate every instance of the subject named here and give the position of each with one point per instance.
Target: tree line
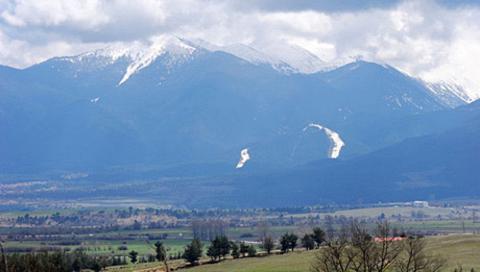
(58, 261)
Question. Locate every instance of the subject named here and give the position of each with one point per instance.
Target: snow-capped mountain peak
(137, 55)
(161, 45)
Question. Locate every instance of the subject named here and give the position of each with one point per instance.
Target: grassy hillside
(457, 249)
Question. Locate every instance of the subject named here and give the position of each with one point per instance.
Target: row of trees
(62, 261)
(57, 262)
(289, 241)
(208, 229)
(219, 248)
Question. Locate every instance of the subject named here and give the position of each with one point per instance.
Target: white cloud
(85, 14)
(423, 38)
(303, 22)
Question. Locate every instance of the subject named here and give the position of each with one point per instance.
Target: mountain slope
(436, 166)
(174, 103)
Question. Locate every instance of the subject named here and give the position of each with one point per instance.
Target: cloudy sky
(431, 39)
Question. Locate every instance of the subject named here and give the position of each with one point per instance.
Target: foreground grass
(145, 267)
(457, 249)
(292, 262)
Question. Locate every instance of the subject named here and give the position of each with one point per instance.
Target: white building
(420, 204)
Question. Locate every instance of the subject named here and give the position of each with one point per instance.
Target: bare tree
(336, 256)
(387, 249)
(415, 259)
(363, 249)
(208, 229)
(268, 244)
(329, 223)
(263, 229)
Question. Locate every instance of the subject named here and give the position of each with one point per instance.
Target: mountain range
(238, 116)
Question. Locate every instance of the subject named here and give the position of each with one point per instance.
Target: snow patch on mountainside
(287, 58)
(463, 86)
(110, 54)
(249, 54)
(244, 157)
(450, 93)
(160, 46)
(336, 143)
(298, 57)
(399, 101)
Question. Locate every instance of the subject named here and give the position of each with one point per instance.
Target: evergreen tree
(219, 248)
(160, 252)
(252, 251)
(284, 243)
(292, 239)
(133, 256)
(288, 241)
(235, 250)
(308, 242)
(96, 266)
(243, 249)
(193, 251)
(318, 236)
(213, 252)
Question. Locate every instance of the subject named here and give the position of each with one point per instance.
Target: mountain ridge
(295, 59)
(209, 109)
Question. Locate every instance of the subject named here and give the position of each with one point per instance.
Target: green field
(107, 247)
(107, 243)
